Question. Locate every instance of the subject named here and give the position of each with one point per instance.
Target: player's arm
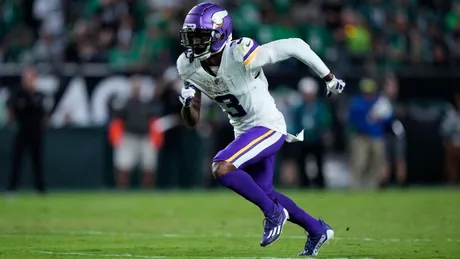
(191, 104)
(279, 50)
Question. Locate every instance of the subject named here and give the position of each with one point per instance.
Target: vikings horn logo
(218, 19)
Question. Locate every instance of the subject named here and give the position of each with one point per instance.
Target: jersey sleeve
(280, 50)
(245, 50)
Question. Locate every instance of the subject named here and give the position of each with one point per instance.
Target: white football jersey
(241, 91)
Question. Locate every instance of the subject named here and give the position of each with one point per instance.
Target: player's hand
(335, 86)
(186, 95)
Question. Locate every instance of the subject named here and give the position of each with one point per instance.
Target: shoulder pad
(244, 49)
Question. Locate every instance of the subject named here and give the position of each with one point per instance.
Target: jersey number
(234, 108)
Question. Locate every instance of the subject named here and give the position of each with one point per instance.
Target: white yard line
(171, 257)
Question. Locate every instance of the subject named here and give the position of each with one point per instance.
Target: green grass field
(389, 225)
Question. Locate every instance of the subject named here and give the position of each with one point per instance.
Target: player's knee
(222, 168)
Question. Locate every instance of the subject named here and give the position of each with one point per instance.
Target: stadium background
(86, 51)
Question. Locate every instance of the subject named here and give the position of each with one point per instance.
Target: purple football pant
(253, 154)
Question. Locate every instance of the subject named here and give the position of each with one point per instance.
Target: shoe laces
(268, 222)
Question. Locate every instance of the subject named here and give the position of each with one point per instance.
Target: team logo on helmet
(218, 19)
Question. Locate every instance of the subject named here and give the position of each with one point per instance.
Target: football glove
(186, 95)
(335, 86)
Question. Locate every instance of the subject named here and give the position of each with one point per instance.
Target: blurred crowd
(371, 125)
(135, 34)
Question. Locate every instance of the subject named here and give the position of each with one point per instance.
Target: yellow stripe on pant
(251, 144)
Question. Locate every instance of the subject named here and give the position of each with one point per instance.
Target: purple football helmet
(206, 29)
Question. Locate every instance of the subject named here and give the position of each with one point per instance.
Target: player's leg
(359, 152)
(288, 166)
(262, 173)
(301, 158)
(401, 166)
(18, 151)
(318, 231)
(149, 156)
(386, 168)
(377, 162)
(36, 151)
(450, 163)
(125, 158)
(318, 151)
(253, 145)
(227, 163)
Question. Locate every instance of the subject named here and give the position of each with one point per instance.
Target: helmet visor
(197, 40)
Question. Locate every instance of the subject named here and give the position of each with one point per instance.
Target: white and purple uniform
(241, 89)
(239, 86)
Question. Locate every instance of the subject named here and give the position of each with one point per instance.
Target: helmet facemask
(197, 42)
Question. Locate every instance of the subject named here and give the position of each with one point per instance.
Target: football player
(230, 73)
